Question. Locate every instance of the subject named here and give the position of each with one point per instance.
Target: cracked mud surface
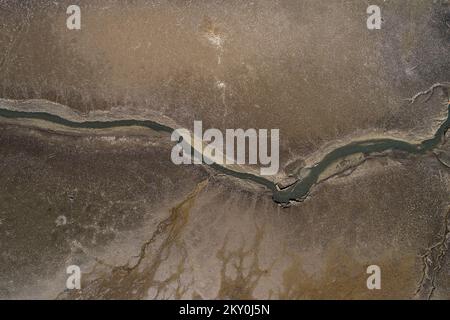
(111, 201)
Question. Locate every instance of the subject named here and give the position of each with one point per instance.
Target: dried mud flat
(111, 201)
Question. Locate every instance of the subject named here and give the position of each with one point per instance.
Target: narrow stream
(300, 189)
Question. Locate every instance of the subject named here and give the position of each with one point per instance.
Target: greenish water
(302, 187)
(13, 114)
(295, 192)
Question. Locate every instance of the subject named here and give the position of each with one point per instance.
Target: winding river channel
(297, 191)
